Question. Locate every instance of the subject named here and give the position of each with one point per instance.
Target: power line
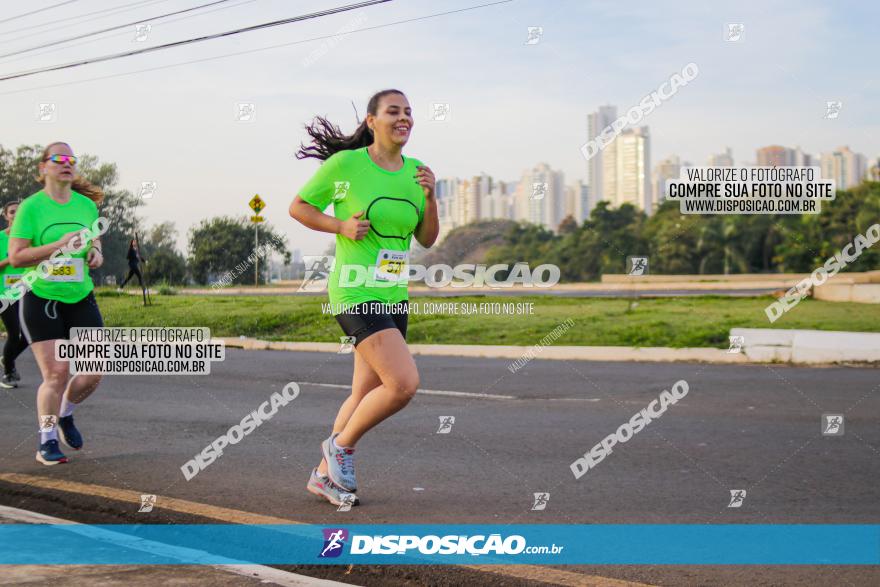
(36, 11)
(194, 40)
(173, 20)
(114, 28)
(269, 48)
(113, 10)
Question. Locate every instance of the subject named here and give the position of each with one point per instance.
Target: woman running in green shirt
(48, 221)
(381, 199)
(15, 340)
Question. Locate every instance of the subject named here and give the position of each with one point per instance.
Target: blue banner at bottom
(628, 544)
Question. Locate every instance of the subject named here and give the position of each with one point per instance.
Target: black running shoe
(68, 433)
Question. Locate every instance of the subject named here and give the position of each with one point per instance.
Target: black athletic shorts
(364, 319)
(43, 319)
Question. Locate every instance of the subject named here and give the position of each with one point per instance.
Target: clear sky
(512, 105)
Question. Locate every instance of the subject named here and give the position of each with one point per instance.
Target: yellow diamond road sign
(257, 204)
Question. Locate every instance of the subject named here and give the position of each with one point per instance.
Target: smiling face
(58, 172)
(393, 121)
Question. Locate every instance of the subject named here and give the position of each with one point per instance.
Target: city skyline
(465, 200)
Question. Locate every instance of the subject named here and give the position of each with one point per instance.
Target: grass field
(670, 322)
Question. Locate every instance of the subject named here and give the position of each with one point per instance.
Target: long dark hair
(327, 138)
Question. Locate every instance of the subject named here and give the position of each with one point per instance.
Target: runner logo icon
(541, 500)
(334, 540)
(737, 496)
(446, 423)
(341, 190)
(637, 265)
(832, 425)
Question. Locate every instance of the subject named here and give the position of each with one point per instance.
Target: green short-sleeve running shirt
(371, 269)
(42, 220)
(9, 274)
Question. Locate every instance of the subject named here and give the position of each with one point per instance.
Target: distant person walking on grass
(134, 260)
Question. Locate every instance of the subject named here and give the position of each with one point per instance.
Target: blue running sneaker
(68, 433)
(322, 486)
(340, 464)
(50, 454)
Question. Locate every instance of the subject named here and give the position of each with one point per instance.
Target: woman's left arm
(429, 228)
(95, 256)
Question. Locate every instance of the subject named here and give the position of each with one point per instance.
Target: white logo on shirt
(341, 190)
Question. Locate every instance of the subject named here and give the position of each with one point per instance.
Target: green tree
(608, 237)
(18, 172)
(675, 240)
(164, 262)
(120, 208)
(808, 241)
(221, 248)
(524, 243)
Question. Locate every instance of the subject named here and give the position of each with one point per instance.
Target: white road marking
(423, 391)
(449, 393)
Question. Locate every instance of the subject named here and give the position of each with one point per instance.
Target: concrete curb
(559, 353)
(809, 347)
(799, 347)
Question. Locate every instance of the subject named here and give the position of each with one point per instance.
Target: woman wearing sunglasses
(15, 341)
(61, 298)
(381, 199)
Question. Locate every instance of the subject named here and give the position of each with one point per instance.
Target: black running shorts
(43, 319)
(364, 319)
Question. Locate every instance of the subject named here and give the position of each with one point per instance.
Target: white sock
(48, 433)
(66, 407)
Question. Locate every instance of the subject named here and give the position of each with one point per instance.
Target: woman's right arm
(22, 254)
(311, 217)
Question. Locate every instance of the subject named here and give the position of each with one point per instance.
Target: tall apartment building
(802, 159)
(724, 159)
(596, 123)
(540, 197)
(446, 190)
(498, 203)
(844, 166)
(873, 172)
(577, 201)
(669, 168)
(775, 156)
(626, 170)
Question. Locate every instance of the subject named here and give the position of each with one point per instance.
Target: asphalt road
(751, 427)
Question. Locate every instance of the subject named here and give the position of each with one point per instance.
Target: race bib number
(390, 265)
(66, 270)
(10, 279)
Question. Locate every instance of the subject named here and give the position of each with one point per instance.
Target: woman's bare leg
(55, 377)
(81, 386)
(363, 381)
(387, 354)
